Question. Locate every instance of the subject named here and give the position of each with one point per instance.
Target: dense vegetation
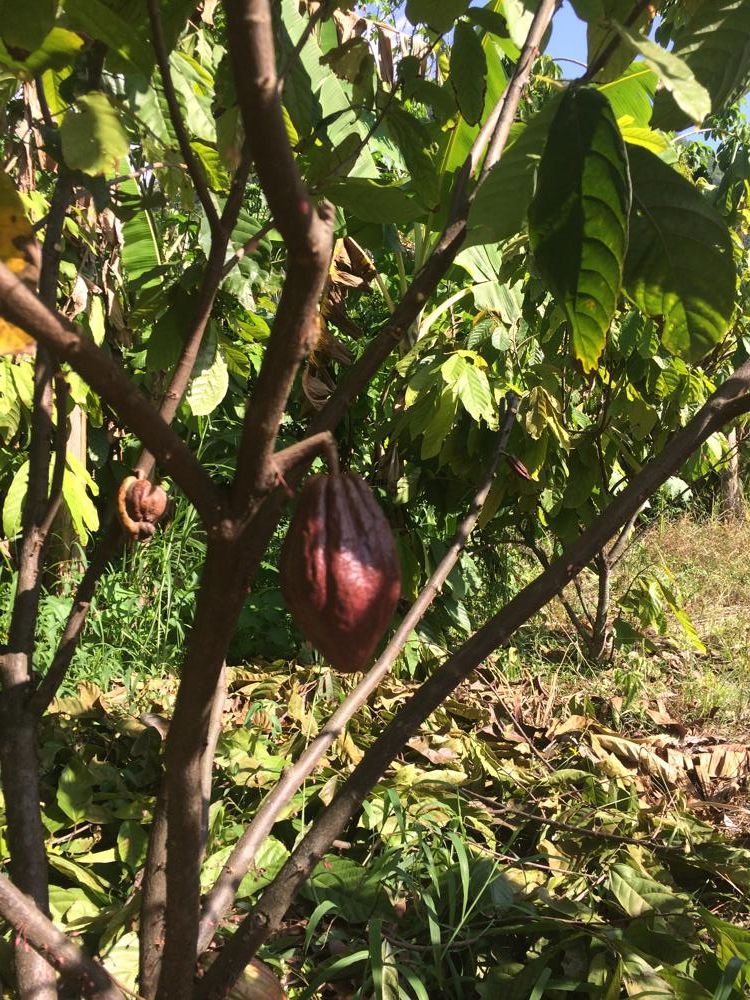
(518, 303)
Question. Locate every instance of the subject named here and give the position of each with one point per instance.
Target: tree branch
(192, 163)
(19, 763)
(725, 404)
(307, 233)
(22, 307)
(242, 857)
(82, 973)
(544, 14)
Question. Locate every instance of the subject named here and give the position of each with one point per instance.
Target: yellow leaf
(17, 251)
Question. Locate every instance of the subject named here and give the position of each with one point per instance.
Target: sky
(568, 39)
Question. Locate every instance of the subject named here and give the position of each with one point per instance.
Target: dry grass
(709, 562)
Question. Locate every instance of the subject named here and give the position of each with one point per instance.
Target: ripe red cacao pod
(340, 571)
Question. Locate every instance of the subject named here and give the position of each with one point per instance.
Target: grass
(507, 850)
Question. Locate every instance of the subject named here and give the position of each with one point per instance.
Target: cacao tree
(541, 281)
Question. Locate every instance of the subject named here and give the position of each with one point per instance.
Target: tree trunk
(732, 495)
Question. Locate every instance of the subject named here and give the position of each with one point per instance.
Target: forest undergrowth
(558, 827)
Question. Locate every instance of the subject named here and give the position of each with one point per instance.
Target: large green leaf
(374, 202)
(210, 377)
(438, 16)
(502, 200)
(679, 262)
(715, 44)
(468, 68)
(24, 25)
(13, 503)
(98, 20)
(601, 33)
(632, 94)
(93, 140)
(677, 77)
(578, 217)
(314, 97)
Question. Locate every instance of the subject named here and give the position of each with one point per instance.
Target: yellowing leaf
(16, 242)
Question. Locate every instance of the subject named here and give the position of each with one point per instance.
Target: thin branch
(730, 400)
(192, 162)
(19, 761)
(617, 550)
(110, 543)
(22, 307)
(542, 18)
(323, 10)
(248, 248)
(243, 855)
(614, 43)
(307, 233)
(61, 447)
(82, 973)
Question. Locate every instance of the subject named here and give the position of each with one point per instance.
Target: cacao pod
(340, 571)
(140, 505)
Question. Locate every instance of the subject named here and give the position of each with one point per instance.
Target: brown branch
(725, 404)
(242, 857)
(22, 307)
(614, 43)
(83, 974)
(544, 14)
(192, 162)
(110, 543)
(61, 447)
(19, 763)
(307, 233)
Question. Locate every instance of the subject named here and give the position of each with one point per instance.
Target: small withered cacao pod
(340, 571)
(140, 505)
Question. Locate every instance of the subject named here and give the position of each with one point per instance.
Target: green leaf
(415, 142)
(57, 50)
(24, 25)
(715, 45)
(473, 390)
(499, 208)
(356, 890)
(76, 489)
(74, 790)
(677, 77)
(468, 70)
(13, 505)
(440, 424)
(519, 14)
(97, 20)
(210, 379)
(679, 262)
(632, 94)
(578, 218)
(637, 894)
(93, 140)
(438, 16)
(315, 98)
(601, 34)
(374, 202)
(132, 843)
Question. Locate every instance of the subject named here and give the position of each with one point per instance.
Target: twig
(243, 855)
(725, 404)
(82, 973)
(61, 446)
(22, 307)
(544, 14)
(191, 160)
(18, 734)
(614, 43)
(307, 233)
